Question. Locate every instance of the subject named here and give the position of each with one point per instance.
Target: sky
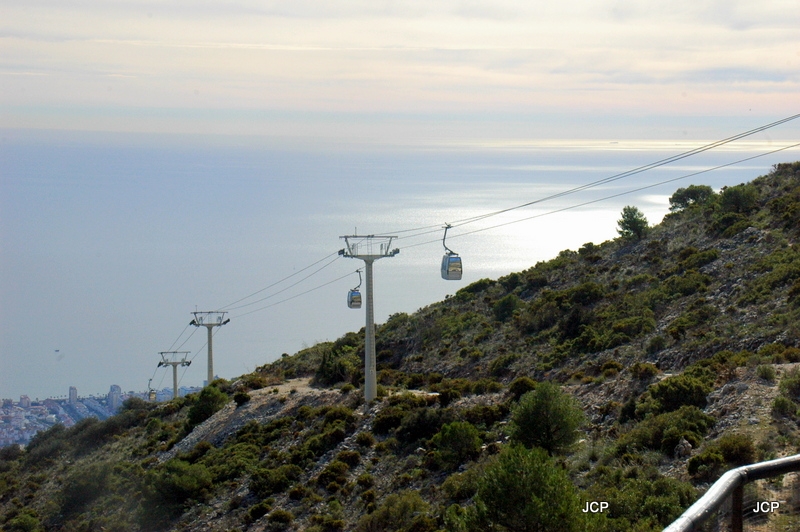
(161, 157)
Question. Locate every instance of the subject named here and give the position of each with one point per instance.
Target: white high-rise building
(114, 398)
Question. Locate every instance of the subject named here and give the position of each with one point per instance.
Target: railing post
(737, 508)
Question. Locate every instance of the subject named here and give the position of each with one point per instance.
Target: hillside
(686, 333)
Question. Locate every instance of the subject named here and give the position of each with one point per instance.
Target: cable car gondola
(451, 262)
(354, 295)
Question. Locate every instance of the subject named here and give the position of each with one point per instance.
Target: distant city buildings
(114, 399)
(19, 422)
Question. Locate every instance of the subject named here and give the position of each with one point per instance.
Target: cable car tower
(451, 262)
(174, 363)
(369, 248)
(209, 320)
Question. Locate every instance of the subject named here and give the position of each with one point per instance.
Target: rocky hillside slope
(678, 345)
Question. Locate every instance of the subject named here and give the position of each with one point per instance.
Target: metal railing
(731, 486)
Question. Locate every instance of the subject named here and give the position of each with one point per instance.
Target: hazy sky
(155, 156)
(398, 70)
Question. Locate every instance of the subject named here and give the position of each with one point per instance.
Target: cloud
(386, 56)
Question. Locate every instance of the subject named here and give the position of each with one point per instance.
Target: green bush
(737, 449)
(422, 423)
(783, 406)
(644, 371)
(400, 512)
(520, 386)
(692, 195)
(633, 224)
(209, 401)
(766, 372)
(45, 446)
(335, 471)
(500, 365)
(456, 443)
(706, 466)
(790, 384)
(586, 293)
(266, 482)
(521, 489)
(689, 283)
(505, 307)
(280, 519)
(674, 392)
(365, 439)
(739, 199)
(241, 398)
(663, 432)
(84, 485)
(176, 483)
(642, 499)
(257, 511)
(546, 417)
(351, 458)
(25, 521)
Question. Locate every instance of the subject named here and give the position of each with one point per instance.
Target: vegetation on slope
(508, 406)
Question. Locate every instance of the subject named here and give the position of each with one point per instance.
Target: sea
(110, 242)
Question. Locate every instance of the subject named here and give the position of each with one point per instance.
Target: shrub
(280, 519)
(633, 224)
(335, 471)
(692, 195)
(208, 402)
(546, 418)
(611, 368)
(84, 486)
(790, 384)
(674, 392)
(737, 449)
(177, 483)
(499, 365)
(365, 439)
(365, 480)
(663, 432)
(422, 423)
(586, 293)
(266, 482)
(520, 386)
(241, 398)
(505, 307)
(644, 371)
(766, 372)
(401, 512)
(24, 522)
(739, 199)
(456, 443)
(351, 458)
(257, 511)
(47, 445)
(783, 406)
(522, 489)
(687, 284)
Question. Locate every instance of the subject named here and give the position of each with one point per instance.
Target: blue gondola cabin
(451, 267)
(354, 299)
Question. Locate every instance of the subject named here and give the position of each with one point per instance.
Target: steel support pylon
(363, 247)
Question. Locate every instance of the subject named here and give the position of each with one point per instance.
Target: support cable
(609, 197)
(290, 286)
(609, 179)
(228, 306)
(295, 296)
